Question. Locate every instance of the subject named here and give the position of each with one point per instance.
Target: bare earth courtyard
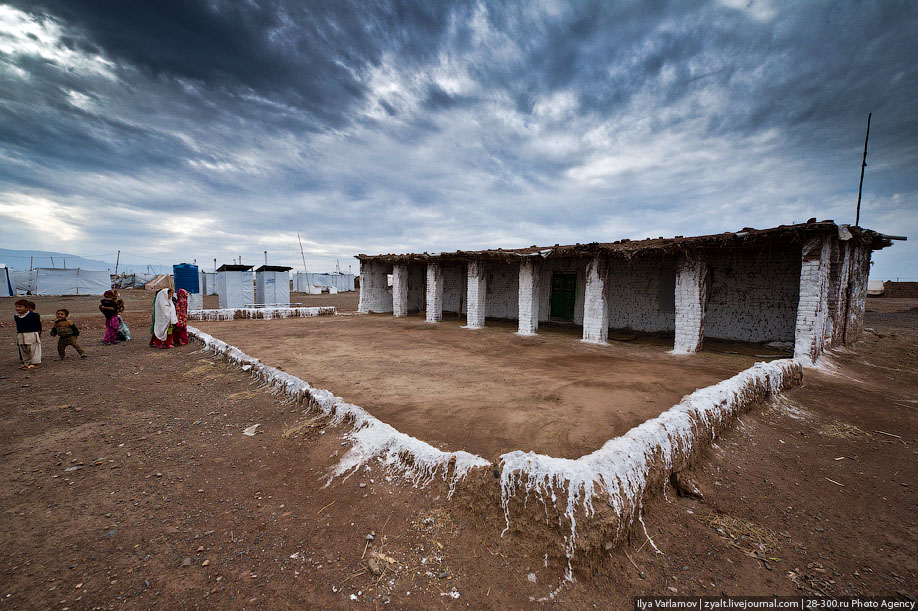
(129, 483)
(487, 391)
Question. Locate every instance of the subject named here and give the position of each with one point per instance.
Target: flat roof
(234, 268)
(744, 238)
(273, 268)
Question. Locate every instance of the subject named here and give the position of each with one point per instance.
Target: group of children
(28, 329)
(169, 326)
(28, 334)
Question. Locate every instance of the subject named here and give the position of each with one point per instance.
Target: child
(28, 334)
(109, 307)
(66, 333)
(180, 334)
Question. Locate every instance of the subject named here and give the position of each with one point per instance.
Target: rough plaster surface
(434, 306)
(640, 294)
(454, 288)
(503, 281)
(374, 287)
(400, 290)
(595, 310)
(477, 292)
(691, 294)
(812, 309)
(529, 297)
(752, 295)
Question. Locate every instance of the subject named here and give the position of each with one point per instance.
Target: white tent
(272, 285)
(234, 286)
(24, 281)
(341, 282)
(59, 281)
(7, 286)
(875, 287)
(208, 283)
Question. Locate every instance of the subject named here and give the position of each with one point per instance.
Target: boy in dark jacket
(66, 333)
(28, 334)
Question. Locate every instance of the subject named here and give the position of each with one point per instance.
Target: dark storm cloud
(301, 54)
(431, 125)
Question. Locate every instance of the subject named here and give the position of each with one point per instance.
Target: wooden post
(117, 261)
(857, 218)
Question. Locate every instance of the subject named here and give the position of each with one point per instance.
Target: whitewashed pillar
(374, 288)
(477, 295)
(691, 295)
(529, 297)
(434, 292)
(595, 306)
(812, 308)
(857, 291)
(400, 289)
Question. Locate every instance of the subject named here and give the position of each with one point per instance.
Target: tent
(60, 281)
(208, 283)
(272, 285)
(341, 282)
(234, 286)
(7, 287)
(24, 281)
(875, 288)
(162, 281)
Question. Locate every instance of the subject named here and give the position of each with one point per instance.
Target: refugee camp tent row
(131, 281)
(7, 288)
(59, 281)
(340, 282)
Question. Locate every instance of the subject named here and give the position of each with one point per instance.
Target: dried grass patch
(746, 535)
(243, 394)
(843, 430)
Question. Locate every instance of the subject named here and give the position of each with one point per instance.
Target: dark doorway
(563, 296)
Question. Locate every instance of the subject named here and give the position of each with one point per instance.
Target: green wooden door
(563, 296)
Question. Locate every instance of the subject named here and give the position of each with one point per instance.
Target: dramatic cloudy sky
(180, 129)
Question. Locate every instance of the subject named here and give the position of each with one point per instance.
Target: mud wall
(752, 296)
(641, 294)
(900, 289)
(417, 283)
(503, 290)
(454, 288)
(375, 295)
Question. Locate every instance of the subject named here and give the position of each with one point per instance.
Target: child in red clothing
(180, 334)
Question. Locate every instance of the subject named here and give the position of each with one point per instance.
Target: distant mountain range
(23, 259)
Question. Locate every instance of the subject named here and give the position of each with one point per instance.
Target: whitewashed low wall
(371, 439)
(265, 313)
(618, 474)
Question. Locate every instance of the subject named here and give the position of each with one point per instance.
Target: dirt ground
(345, 302)
(128, 484)
(487, 391)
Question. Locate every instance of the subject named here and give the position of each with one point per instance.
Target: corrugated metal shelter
(272, 285)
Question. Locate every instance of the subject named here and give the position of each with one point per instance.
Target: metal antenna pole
(857, 218)
(301, 252)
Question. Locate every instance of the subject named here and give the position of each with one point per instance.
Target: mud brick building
(804, 283)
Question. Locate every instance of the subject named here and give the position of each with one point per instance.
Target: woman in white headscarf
(164, 319)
